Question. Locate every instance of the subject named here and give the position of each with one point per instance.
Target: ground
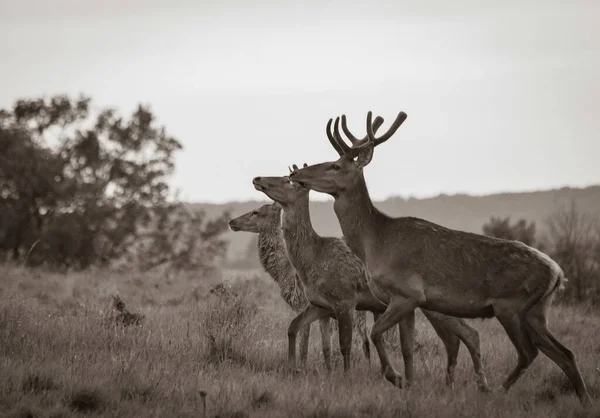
(62, 354)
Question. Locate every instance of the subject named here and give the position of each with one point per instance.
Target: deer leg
(406, 328)
(451, 331)
(325, 325)
(306, 317)
(537, 327)
(470, 337)
(392, 338)
(376, 316)
(449, 339)
(388, 336)
(361, 326)
(345, 319)
(526, 349)
(304, 339)
(398, 308)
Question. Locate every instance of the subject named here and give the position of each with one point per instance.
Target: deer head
(281, 189)
(336, 176)
(257, 220)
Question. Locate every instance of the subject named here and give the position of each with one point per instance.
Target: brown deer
(266, 222)
(333, 278)
(414, 263)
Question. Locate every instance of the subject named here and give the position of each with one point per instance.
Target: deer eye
(254, 213)
(334, 167)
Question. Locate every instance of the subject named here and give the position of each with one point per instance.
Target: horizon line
(392, 197)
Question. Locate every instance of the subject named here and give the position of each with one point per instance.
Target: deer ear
(305, 165)
(364, 156)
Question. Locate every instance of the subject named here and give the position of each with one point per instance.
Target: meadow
(63, 353)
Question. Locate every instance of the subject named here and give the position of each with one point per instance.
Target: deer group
(393, 265)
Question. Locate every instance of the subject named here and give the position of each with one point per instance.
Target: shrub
(227, 324)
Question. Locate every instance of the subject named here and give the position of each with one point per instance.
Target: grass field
(61, 355)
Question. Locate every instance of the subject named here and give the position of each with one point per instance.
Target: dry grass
(60, 357)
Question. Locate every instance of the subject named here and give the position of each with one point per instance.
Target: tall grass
(197, 354)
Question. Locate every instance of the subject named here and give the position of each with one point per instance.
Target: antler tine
(338, 139)
(347, 132)
(355, 141)
(377, 123)
(392, 130)
(338, 143)
(371, 132)
(359, 145)
(349, 151)
(332, 140)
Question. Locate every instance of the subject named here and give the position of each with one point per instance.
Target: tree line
(82, 186)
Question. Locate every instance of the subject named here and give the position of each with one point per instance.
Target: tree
(574, 241)
(520, 231)
(184, 239)
(85, 184)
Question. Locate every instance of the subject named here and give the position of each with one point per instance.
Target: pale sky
(504, 97)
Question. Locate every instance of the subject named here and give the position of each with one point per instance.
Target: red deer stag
(414, 263)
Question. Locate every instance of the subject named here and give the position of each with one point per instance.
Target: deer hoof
(394, 378)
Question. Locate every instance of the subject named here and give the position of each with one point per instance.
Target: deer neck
(272, 253)
(299, 236)
(359, 219)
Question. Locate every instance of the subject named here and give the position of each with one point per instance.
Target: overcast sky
(503, 97)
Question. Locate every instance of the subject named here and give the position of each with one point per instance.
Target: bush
(228, 323)
(574, 242)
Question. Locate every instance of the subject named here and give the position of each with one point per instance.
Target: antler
(295, 167)
(338, 143)
(340, 150)
(371, 129)
(355, 141)
(357, 144)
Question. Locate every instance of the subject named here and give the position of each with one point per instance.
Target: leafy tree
(28, 187)
(83, 184)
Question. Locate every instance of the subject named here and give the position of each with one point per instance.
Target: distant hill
(462, 212)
